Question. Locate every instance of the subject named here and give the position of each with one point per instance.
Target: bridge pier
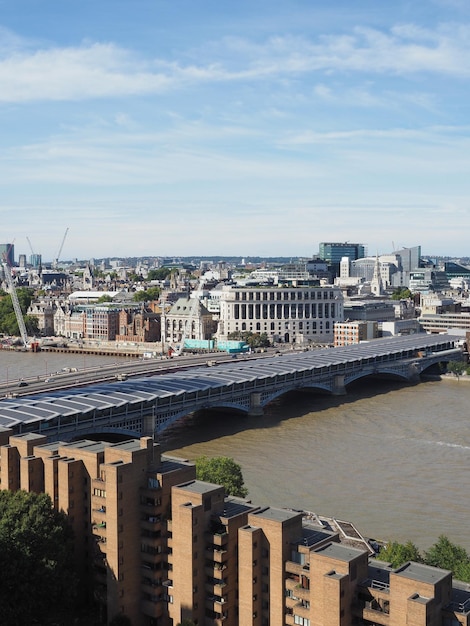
(339, 388)
(255, 405)
(414, 373)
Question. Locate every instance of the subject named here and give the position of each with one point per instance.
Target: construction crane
(15, 301)
(30, 246)
(56, 261)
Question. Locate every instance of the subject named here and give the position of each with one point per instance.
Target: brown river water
(392, 459)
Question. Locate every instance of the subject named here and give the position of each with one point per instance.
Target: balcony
(289, 619)
(151, 584)
(377, 585)
(373, 611)
(218, 538)
(294, 568)
(215, 618)
(215, 570)
(292, 582)
(218, 556)
(215, 587)
(215, 603)
(99, 525)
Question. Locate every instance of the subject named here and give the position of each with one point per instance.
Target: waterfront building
(44, 311)
(188, 318)
(157, 545)
(300, 313)
(347, 333)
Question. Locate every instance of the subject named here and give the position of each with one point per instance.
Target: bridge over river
(149, 404)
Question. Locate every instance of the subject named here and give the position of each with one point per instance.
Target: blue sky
(197, 127)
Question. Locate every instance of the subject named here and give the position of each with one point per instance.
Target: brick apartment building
(159, 546)
(352, 332)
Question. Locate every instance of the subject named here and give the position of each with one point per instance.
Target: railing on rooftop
(376, 584)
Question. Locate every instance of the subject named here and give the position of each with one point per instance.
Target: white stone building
(294, 314)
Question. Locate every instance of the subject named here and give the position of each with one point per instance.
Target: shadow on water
(208, 425)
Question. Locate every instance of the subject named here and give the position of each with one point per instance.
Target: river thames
(392, 459)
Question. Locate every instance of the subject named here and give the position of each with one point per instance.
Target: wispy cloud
(99, 70)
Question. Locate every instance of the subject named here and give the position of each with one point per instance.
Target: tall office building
(7, 252)
(35, 260)
(332, 253)
(159, 546)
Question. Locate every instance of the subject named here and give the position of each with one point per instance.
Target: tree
(104, 298)
(456, 367)
(447, 555)
(398, 553)
(8, 321)
(37, 579)
(254, 340)
(152, 293)
(222, 470)
(159, 274)
(402, 293)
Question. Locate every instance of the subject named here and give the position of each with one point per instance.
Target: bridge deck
(165, 388)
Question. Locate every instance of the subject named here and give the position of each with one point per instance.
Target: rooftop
(277, 515)
(199, 486)
(235, 506)
(339, 552)
(423, 573)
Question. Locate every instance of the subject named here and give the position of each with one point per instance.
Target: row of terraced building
(160, 546)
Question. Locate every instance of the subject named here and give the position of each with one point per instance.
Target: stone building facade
(287, 314)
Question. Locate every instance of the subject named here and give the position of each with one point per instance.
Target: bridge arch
(87, 433)
(382, 373)
(268, 398)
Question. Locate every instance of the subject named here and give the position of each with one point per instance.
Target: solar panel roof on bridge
(46, 406)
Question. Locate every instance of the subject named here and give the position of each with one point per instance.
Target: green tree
(254, 340)
(456, 367)
(37, 579)
(159, 274)
(104, 298)
(152, 293)
(8, 322)
(401, 293)
(222, 470)
(462, 571)
(398, 553)
(448, 555)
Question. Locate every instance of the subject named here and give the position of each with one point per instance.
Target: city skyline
(252, 129)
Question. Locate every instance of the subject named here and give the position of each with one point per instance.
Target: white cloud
(97, 70)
